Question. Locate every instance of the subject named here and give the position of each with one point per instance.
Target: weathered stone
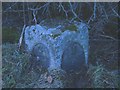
(73, 58)
(41, 54)
(32, 36)
(59, 44)
(84, 39)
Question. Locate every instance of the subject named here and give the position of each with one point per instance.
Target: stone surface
(41, 54)
(58, 44)
(73, 58)
(32, 34)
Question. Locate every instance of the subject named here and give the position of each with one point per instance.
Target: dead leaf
(49, 79)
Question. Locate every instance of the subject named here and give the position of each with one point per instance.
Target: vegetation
(56, 35)
(13, 65)
(100, 77)
(17, 72)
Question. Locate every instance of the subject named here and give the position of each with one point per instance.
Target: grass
(13, 65)
(100, 77)
(17, 72)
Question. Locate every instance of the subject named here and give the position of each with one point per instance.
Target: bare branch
(71, 7)
(10, 7)
(109, 37)
(21, 37)
(64, 10)
(115, 12)
(94, 14)
(34, 16)
(45, 5)
(90, 19)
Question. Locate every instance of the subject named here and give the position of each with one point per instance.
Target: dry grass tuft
(100, 77)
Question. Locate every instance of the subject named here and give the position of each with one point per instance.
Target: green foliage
(10, 35)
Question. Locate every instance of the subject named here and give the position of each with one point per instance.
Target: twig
(24, 13)
(103, 9)
(45, 5)
(90, 19)
(34, 15)
(71, 7)
(108, 37)
(94, 10)
(64, 10)
(115, 12)
(21, 37)
(10, 7)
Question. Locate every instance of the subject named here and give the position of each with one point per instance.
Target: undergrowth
(13, 65)
(17, 72)
(100, 77)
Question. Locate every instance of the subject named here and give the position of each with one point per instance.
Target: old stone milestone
(57, 49)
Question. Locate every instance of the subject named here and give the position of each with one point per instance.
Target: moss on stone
(70, 27)
(56, 35)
